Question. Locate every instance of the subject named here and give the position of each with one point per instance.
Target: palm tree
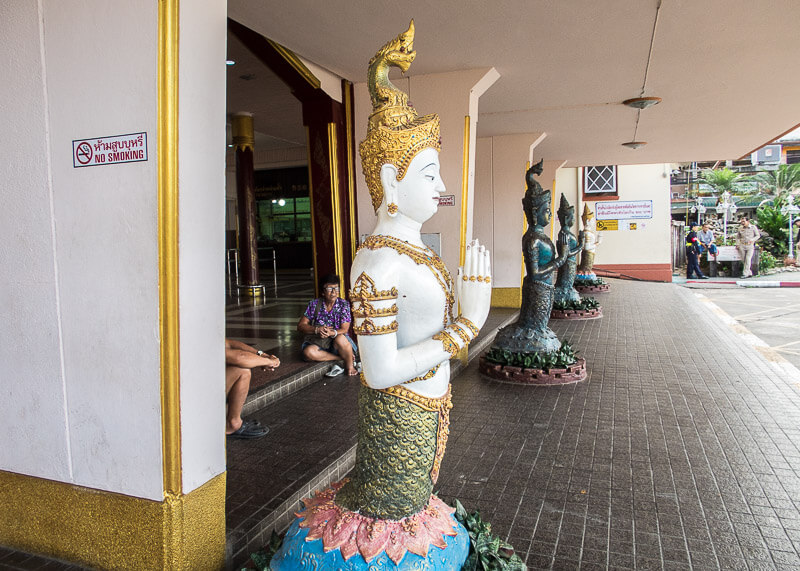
(722, 179)
(777, 182)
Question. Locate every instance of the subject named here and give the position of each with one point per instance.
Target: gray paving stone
(671, 455)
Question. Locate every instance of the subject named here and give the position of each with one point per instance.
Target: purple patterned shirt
(340, 313)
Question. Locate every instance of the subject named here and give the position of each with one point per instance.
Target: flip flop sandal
(335, 371)
(249, 431)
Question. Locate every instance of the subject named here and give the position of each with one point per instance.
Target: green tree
(774, 226)
(722, 179)
(785, 179)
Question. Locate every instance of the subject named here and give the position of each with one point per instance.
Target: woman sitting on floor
(326, 322)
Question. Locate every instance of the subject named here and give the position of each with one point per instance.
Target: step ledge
(282, 388)
(237, 551)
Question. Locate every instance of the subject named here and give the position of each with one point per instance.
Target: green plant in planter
(263, 556)
(579, 281)
(486, 551)
(560, 359)
(766, 261)
(776, 225)
(584, 304)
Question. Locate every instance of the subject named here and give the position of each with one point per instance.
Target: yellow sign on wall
(607, 225)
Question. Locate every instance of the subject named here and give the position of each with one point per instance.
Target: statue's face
(418, 192)
(543, 216)
(569, 219)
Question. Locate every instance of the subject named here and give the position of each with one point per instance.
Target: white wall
(499, 187)
(33, 418)
(483, 206)
(202, 240)
(650, 242)
(87, 412)
(79, 349)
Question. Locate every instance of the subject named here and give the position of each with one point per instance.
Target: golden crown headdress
(587, 214)
(395, 133)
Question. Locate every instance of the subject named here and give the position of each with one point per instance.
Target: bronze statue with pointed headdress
(530, 333)
(565, 282)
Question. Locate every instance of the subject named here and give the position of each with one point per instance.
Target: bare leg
(314, 353)
(237, 384)
(346, 352)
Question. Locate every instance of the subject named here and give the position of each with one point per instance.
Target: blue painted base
(297, 553)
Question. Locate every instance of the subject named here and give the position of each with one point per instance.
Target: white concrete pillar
(112, 295)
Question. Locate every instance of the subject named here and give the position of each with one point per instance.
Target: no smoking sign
(116, 149)
(83, 153)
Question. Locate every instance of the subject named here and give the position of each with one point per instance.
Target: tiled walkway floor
(670, 456)
(680, 451)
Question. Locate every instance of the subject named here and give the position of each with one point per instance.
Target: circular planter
(519, 376)
(577, 313)
(600, 288)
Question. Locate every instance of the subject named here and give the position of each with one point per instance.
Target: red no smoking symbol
(84, 153)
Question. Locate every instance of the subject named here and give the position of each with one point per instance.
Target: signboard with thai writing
(130, 148)
(728, 254)
(447, 200)
(607, 225)
(623, 209)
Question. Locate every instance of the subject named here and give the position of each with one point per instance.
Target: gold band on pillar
(336, 211)
(464, 193)
(553, 209)
(105, 530)
(351, 183)
(243, 132)
(522, 256)
(463, 353)
(168, 29)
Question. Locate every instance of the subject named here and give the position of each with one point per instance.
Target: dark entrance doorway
(309, 220)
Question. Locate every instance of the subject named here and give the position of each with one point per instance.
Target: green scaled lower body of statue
(565, 291)
(530, 333)
(385, 516)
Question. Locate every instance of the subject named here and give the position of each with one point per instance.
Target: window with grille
(600, 180)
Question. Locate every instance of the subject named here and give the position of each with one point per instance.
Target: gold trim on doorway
(293, 60)
(336, 213)
(351, 183)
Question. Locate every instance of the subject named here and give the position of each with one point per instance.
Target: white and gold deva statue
(593, 239)
(404, 311)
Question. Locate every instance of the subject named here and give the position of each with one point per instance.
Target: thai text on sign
(112, 150)
(728, 254)
(447, 200)
(622, 210)
(607, 225)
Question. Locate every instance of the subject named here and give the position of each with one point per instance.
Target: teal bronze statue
(542, 258)
(565, 291)
(528, 352)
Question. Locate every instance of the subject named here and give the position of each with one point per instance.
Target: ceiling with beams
(252, 87)
(727, 70)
